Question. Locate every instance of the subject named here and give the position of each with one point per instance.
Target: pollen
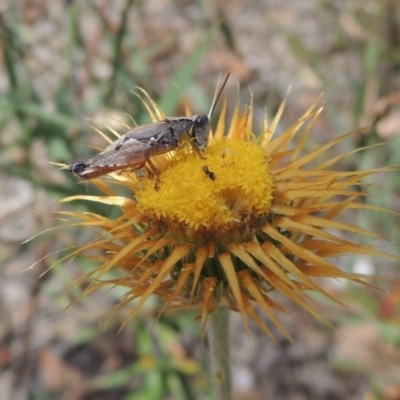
(218, 192)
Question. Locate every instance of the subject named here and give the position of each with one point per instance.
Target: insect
(134, 148)
(209, 173)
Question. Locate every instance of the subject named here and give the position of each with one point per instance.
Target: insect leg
(155, 172)
(194, 146)
(199, 152)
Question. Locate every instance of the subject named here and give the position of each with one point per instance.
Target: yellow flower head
(248, 217)
(214, 197)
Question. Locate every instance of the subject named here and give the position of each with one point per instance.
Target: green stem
(218, 340)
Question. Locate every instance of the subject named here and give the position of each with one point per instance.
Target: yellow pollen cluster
(232, 182)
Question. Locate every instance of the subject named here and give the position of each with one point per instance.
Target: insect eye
(201, 119)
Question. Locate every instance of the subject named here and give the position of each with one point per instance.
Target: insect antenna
(217, 93)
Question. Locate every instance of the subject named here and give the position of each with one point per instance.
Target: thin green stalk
(218, 339)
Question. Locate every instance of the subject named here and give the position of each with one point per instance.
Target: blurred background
(66, 66)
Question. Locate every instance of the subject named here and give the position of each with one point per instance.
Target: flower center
(225, 192)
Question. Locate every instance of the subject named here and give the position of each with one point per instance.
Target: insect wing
(131, 150)
(129, 156)
(144, 133)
